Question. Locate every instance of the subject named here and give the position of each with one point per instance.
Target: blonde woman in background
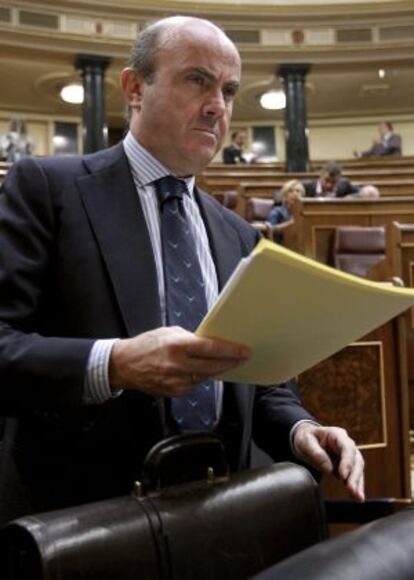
(280, 216)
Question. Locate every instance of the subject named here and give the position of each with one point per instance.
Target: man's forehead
(204, 39)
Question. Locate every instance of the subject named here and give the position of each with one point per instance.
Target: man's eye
(229, 93)
(198, 80)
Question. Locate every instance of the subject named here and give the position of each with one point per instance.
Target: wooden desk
(317, 218)
(400, 262)
(364, 389)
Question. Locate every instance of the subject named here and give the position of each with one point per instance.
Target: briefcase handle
(181, 459)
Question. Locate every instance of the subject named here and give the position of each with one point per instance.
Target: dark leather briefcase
(217, 527)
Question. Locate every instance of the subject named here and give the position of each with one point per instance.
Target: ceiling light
(72, 93)
(274, 100)
(381, 73)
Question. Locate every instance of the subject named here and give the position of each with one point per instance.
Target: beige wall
(39, 127)
(328, 139)
(338, 138)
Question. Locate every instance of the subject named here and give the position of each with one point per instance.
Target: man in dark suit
(88, 365)
(330, 183)
(389, 143)
(233, 153)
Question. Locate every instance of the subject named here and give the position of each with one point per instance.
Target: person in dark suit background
(88, 364)
(233, 153)
(331, 183)
(389, 143)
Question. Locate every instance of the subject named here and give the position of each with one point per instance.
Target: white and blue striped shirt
(145, 170)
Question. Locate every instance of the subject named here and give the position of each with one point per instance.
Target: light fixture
(59, 141)
(72, 93)
(273, 100)
(381, 73)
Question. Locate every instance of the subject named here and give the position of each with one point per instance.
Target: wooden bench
(267, 188)
(392, 162)
(266, 173)
(316, 220)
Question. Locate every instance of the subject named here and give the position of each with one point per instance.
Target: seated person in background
(331, 183)
(365, 192)
(16, 143)
(389, 143)
(280, 216)
(233, 153)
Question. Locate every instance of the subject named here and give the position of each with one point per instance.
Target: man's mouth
(207, 131)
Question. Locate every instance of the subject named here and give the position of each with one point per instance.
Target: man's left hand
(331, 450)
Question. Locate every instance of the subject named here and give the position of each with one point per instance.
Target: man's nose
(215, 104)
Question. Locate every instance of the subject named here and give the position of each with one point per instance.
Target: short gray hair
(145, 49)
(143, 55)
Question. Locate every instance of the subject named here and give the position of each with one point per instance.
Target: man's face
(241, 139)
(183, 115)
(329, 181)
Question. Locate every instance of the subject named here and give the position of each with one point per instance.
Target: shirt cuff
(97, 388)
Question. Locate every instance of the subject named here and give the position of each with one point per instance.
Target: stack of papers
(293, 312)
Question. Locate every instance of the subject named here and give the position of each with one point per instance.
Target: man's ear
(132, 87)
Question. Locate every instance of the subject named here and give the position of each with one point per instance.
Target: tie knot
(170, 187)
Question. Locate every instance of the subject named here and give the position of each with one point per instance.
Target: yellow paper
(293, 312)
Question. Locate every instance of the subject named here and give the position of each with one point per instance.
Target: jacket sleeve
(36, 370)
(276, 410)
(393, 147)
(228, 155)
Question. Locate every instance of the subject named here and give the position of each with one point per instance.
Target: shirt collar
(145, 167)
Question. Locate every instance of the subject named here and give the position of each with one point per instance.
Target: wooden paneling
(364, 389)
(400, 263)
(356, 395)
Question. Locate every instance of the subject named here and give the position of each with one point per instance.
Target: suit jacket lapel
(111, 201)
(224, 244)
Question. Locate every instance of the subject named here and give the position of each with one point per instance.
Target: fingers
(331, 450)
(169, 361)
(208, 357)
(308, 448)
(214, 348)
(355, 482)
(350, 461)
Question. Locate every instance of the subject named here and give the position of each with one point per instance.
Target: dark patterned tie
(186, 303)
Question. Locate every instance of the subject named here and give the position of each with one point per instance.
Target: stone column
(92, 69)
(297, 150)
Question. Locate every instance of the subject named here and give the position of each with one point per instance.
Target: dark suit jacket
(343, 187)
(391, 146)
(76, 264)
(233, 155)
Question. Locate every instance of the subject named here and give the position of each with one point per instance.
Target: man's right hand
(170, 361)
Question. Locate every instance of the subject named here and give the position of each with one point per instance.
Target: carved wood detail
(348, 390)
